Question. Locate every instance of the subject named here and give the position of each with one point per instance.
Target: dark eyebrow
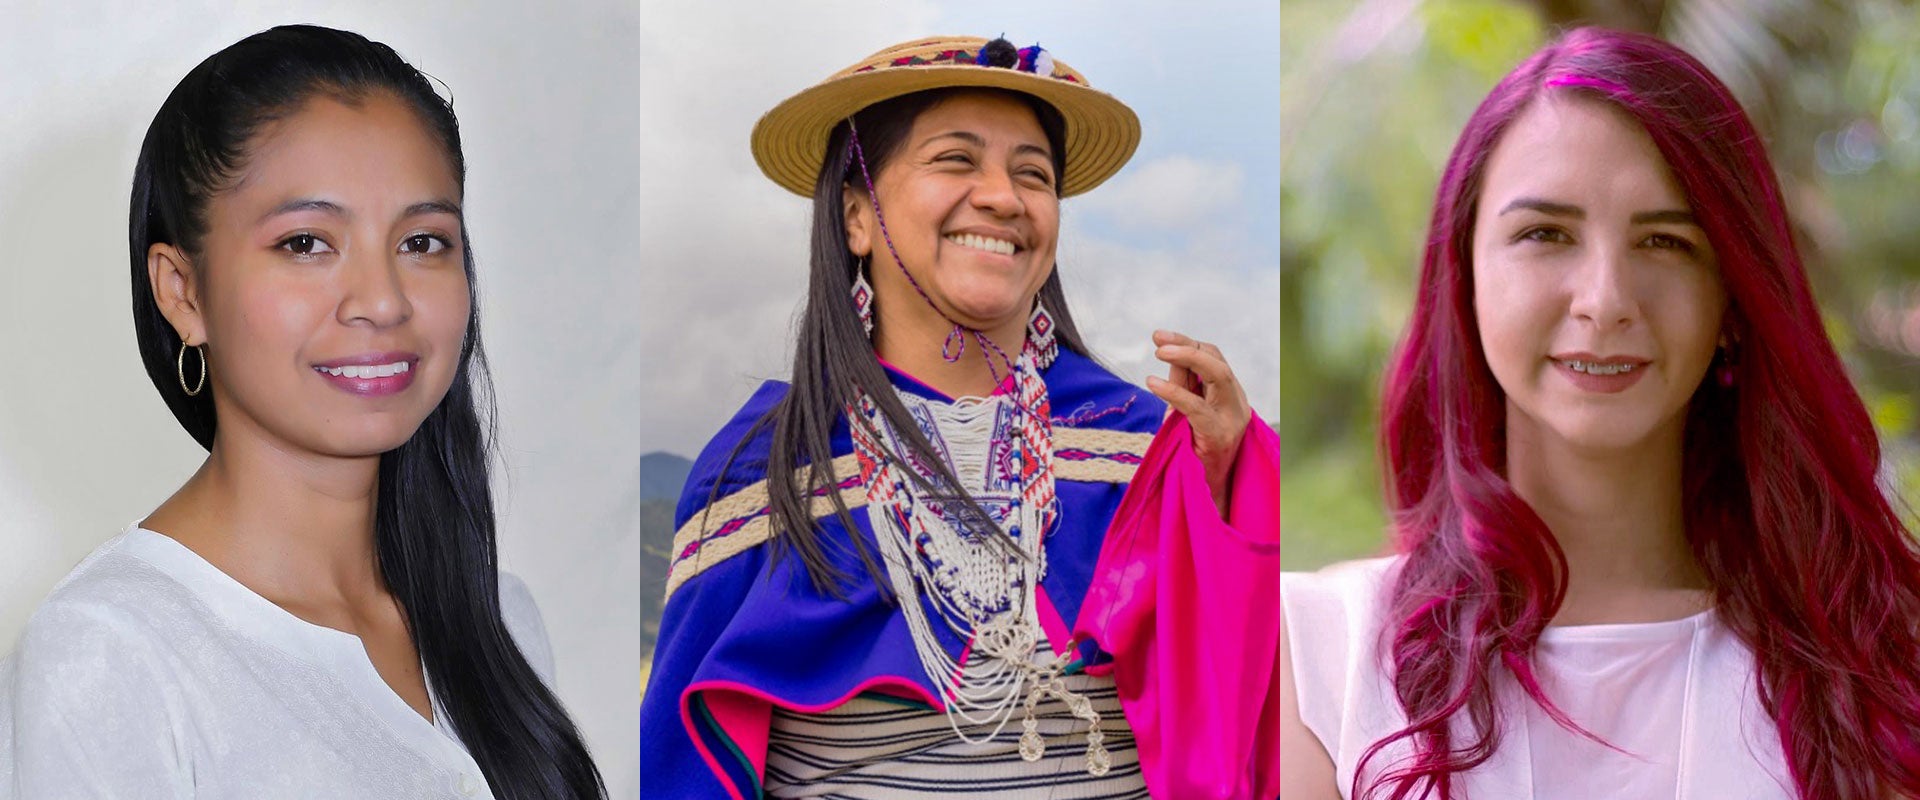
(434, 207)
(335, 209)
(965, 136)
(977, 141)
(1547, 207)
(1677, 217)
(306, 204)
(1034, 149)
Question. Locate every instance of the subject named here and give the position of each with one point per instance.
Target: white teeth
(369, 371)
(1592, 368)
(978, 242)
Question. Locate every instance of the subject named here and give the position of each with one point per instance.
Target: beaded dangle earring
(1040, 333)
(863, 297)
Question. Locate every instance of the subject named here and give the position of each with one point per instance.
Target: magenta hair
(1810, 565)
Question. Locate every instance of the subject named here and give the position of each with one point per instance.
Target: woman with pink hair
(1639, 546)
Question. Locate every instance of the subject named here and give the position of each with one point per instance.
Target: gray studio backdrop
(549, 109)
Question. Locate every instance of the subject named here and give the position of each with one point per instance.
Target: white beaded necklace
(1000, 448)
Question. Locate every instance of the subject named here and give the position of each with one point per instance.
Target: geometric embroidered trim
(1095, 455)
(735, 523)
(739, 521)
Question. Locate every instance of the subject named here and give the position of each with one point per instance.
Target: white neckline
(1630, 631)
(341, 654)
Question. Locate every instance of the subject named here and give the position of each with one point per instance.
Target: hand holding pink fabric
(1201, 386)
(1187, 599)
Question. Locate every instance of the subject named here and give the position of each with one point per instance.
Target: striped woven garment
(877, 747)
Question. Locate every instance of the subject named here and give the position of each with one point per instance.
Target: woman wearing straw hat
(885, 574)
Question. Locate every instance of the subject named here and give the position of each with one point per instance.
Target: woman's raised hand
(1202, 386)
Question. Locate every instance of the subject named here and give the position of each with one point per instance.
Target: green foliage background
(1373, 94)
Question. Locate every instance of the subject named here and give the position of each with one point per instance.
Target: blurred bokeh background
(1372, 96)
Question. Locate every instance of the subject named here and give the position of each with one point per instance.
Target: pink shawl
(1189, 605)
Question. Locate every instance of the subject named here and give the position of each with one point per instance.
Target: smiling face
(1597, 293)
(329, 288)
(970, 202)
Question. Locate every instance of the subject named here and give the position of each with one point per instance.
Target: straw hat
(790, 142)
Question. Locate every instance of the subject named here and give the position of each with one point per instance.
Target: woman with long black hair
(318, 611)
(894, 576)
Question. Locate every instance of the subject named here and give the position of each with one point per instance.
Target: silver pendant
(1099, 762)
(1031, 746)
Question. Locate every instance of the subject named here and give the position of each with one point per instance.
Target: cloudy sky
(1186, 237)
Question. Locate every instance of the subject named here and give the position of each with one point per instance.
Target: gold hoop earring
(180, 365)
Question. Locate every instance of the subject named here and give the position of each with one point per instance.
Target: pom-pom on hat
(790, 142)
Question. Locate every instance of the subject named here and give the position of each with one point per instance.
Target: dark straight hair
(433, 519)
(833, 359)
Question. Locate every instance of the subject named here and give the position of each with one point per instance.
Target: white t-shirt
(1678, 697)
(149, 673)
